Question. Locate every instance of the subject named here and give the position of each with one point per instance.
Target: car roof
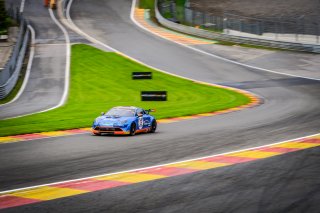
(126, 107)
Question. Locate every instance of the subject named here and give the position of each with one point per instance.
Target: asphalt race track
(46, 82)
(286, 183)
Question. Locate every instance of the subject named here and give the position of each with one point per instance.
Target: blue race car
(124, 120)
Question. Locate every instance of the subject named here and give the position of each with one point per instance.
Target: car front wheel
(153, 126)
(133, 129)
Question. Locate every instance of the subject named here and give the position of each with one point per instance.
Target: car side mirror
(102, 113)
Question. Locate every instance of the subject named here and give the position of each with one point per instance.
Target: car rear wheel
(153, 126)
(133, 129)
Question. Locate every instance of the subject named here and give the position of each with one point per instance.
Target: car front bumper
(110, 130)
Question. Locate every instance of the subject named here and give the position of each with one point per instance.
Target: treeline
(4, 19)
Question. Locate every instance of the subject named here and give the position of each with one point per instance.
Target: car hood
(106, 121)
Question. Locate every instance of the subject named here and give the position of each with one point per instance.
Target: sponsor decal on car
(140, 123)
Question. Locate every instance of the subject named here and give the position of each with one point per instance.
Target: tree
(4, 19)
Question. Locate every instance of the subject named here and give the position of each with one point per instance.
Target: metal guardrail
(65, 6)
(314, 48)
(299, 29)
(11, 72)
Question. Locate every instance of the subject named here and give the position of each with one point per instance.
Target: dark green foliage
(4, 19)
(146, 4)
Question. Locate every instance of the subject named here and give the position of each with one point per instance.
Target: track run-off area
(228, 162)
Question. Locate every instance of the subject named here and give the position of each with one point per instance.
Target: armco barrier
(65, 6)
(7, 87)
(235, 39)
(10, 74)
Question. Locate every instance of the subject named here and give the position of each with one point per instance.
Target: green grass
(5, 21)
(167, 15)
(180, 9)
(146, 4)
(3, 32)
(101, 80)
(180, 3)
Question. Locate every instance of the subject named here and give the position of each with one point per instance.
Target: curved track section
(290, 110)
(289, 185)
(121, 34)
(46, 83)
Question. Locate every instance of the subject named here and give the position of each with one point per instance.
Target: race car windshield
(120, 113)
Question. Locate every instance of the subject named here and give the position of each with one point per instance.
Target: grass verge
(101, 80)
(146, 4)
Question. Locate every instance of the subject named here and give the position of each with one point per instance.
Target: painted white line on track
(160, 165)
(133, 170)
(27, 75)
(67, 70)
(73, 26)
(134, 4)
(68, 57)
(22, 6)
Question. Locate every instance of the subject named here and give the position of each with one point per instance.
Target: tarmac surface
(285, 183)
(46, 82)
